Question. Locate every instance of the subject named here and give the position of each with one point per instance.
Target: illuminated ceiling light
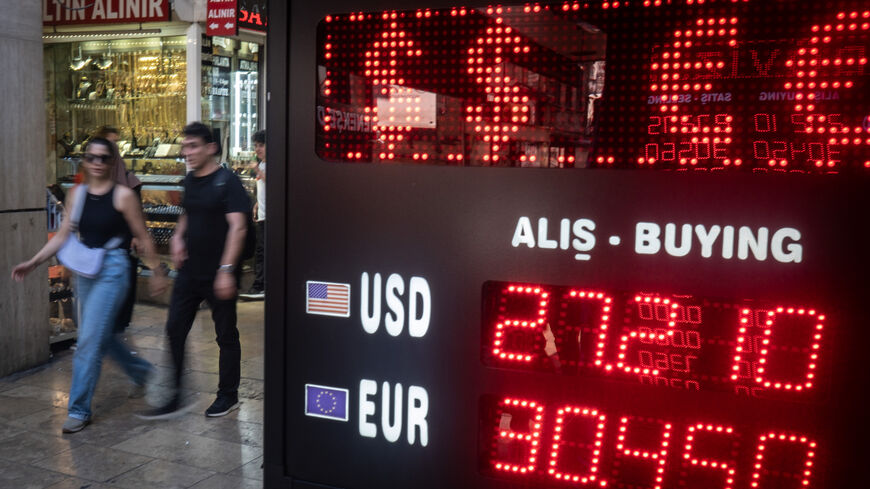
(55, 36)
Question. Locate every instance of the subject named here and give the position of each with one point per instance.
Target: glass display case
(137, 86)
(244, 116)
(230, 95)
(161, 204)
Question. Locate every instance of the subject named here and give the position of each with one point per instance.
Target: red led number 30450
(641, 452)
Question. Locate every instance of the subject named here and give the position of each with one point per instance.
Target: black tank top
(101, 222)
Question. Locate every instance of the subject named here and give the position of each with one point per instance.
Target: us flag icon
(327, 299)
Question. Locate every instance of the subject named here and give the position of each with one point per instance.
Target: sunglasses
(92, 158)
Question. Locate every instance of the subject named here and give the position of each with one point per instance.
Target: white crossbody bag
(73, 254)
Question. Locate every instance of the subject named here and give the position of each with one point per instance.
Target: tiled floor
(119, 450)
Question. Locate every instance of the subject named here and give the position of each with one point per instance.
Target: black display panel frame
(453, 226)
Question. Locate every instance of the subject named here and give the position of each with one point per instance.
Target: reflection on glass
(478, 87)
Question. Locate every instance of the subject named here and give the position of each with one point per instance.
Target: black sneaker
(222, 406)
(170, 410)
(253, 294)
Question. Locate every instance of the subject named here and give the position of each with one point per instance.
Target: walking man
(205, 247)
(258, 288)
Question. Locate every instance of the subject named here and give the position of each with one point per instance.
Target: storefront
(147, 72)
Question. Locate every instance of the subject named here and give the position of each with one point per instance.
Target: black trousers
(259, 258)
(187, 294)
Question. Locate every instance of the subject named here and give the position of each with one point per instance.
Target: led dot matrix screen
(769, 86)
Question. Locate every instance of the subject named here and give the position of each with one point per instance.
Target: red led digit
(532, 324)
(394, 111)
(823, 64)
(701, 432)
(585, 457)
(509, 434)
(765, 122)
(496, 123)
(765, 322)
(653, 308)
(798, 151)
(602, 327)
(651, 154)
(655, 455)
(655, 125)
(771, 442)
(778, 151)
(682, 69)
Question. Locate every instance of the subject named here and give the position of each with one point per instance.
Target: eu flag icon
(326, 402)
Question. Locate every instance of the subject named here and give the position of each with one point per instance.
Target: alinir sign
(69, 12)
(221, 18)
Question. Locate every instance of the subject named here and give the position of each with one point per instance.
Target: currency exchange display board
(570, 245)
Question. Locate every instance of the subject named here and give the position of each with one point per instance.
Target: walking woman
(109, 211)
(129, 179)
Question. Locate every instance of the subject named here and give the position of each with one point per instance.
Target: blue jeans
(99, 300)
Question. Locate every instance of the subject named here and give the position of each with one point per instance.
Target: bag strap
(221, 180)
(78, 205)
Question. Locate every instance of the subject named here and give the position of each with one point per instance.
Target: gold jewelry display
(137, 86)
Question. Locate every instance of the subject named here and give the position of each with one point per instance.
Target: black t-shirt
(207, 201)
